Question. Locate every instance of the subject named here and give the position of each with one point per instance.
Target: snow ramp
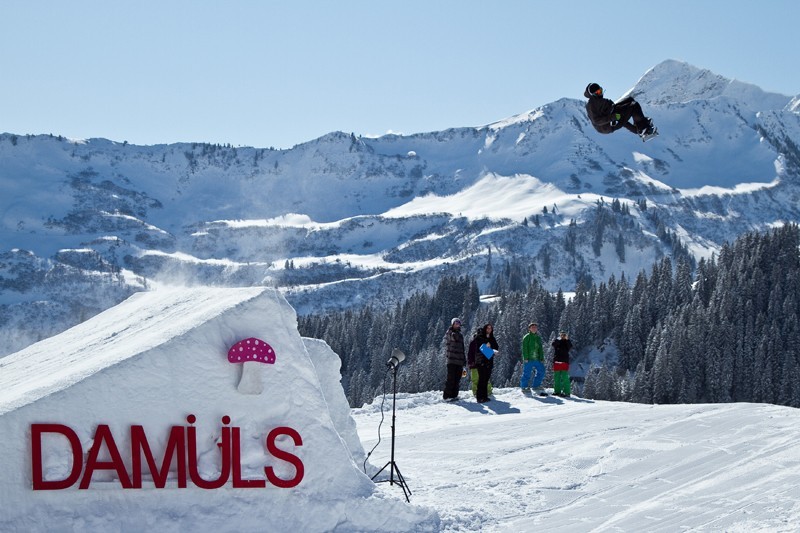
(146, 418)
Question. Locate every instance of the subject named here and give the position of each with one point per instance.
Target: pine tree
(663, 383)
(619, 247)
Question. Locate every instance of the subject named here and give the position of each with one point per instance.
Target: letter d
(36, 456)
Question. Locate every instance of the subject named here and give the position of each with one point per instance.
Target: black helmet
(593, 89)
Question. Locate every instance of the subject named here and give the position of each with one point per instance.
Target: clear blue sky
(268, 73)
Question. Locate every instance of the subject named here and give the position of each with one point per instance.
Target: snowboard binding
(649, 132)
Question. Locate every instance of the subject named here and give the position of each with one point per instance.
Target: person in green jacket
(532, 360)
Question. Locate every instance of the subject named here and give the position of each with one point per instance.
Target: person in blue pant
(532, 360)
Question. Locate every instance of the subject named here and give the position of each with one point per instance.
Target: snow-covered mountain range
(346, 220)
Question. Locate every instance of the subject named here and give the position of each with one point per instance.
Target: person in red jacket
(561, 346)
(608, 116)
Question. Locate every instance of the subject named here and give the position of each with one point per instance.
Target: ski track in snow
(551, 464)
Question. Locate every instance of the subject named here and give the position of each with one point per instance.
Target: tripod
(392, 464)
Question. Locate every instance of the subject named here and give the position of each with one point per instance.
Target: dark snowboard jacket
(454, 347)
(561, 350)
(475, 357)
(600, 111)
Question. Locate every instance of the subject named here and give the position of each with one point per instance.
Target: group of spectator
(479, 359)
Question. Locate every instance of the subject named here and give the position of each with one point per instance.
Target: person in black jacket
(456, 359)
(561, 347)
(607, 116)
(484, 364)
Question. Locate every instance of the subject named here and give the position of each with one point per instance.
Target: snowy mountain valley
(345, 220)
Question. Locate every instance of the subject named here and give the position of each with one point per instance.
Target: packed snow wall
(181, 409)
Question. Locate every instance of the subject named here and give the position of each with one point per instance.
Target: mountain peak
(675, 82)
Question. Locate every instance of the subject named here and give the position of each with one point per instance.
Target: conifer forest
(724, 329)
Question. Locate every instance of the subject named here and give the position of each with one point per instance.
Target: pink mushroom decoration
(252, 353)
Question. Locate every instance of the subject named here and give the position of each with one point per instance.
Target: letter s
(284, 456)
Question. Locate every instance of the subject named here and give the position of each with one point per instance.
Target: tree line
(724, 330)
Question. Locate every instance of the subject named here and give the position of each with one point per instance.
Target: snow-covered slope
(520, 464)
(516, 463)
(345, 220)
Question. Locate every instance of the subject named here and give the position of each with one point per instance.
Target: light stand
(397, 358)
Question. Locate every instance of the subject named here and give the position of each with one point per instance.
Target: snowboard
(541, 394)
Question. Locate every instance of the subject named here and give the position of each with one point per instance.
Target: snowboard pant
(629, 109)
(528, 368)
(473, 376)
(484, 374)
(561, 383)
(453, 381)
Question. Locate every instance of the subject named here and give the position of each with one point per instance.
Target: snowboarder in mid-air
(608, 116)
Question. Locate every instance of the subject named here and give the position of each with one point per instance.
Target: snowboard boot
(649, 132)
(646, 127)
